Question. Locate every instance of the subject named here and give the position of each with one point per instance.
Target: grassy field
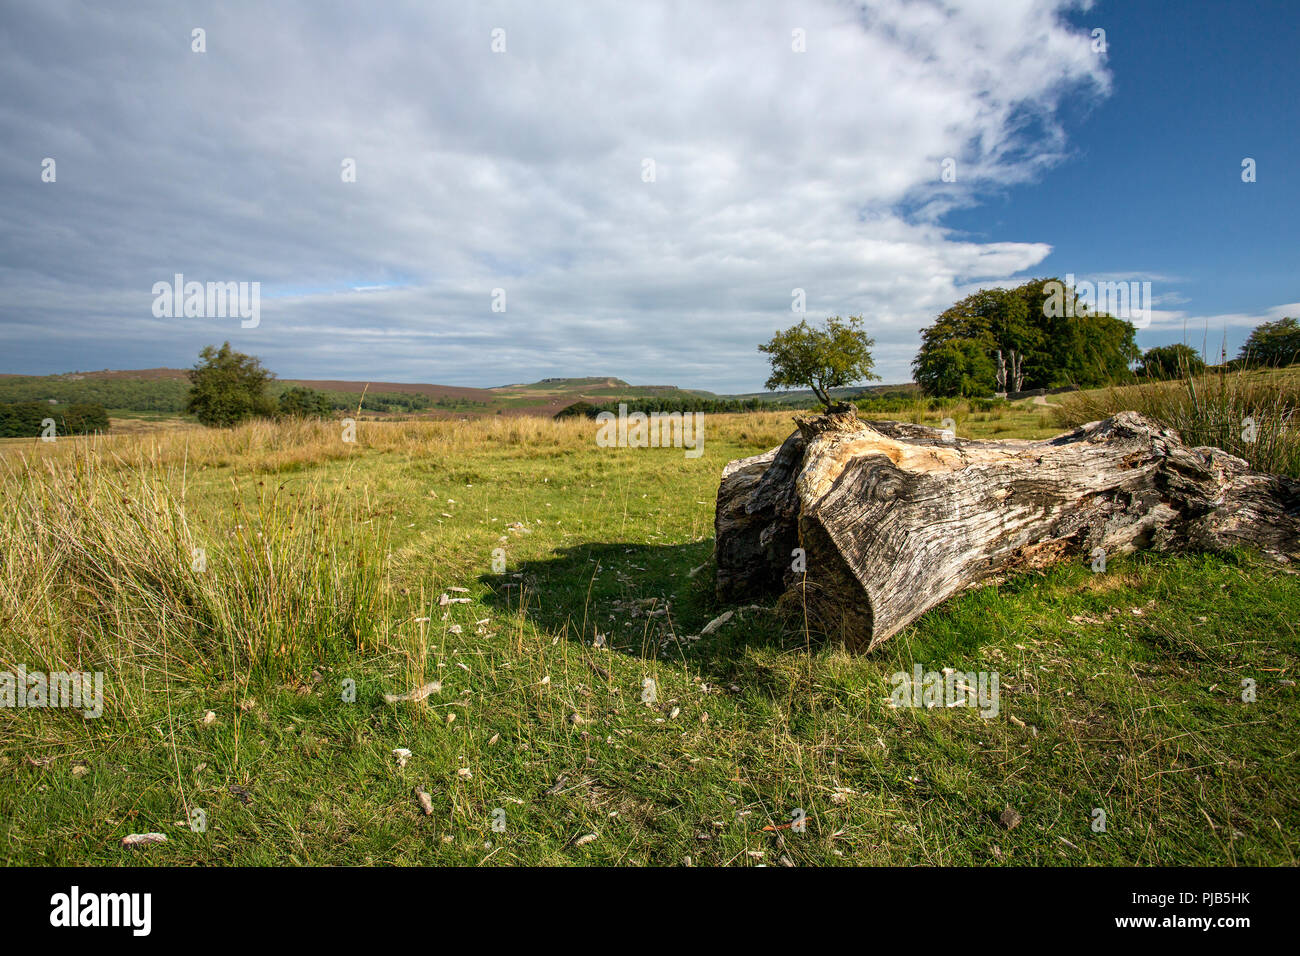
(330, 565)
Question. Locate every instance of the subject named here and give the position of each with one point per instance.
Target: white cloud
(1200, 325)
(521, 171)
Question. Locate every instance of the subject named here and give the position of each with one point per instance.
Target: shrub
(228, 387)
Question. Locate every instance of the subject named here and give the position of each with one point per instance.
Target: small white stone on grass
(419, 693)
(426, 802)
(143, 839)
(717, 622)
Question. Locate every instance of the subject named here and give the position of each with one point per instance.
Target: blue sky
(1152, 184)
(795, 144)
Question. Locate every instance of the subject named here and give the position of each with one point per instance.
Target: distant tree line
(384, 402)
(140, 395)
(656, 403)
(300, 402)
(27, 419)
(1269, 345)
(993, 340)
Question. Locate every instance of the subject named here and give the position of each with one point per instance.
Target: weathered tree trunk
(895, 518)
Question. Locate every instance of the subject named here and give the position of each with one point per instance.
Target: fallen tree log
(893, 519)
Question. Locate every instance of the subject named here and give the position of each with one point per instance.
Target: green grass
(1139, 714)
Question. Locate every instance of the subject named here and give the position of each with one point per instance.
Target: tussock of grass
(106, 567)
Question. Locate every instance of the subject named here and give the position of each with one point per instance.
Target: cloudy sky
(647, 183)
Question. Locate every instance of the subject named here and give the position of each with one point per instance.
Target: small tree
(301, 402)
(227, 387)
(1170, 361)
(820, 359)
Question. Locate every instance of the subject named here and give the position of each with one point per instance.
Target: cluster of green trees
(1062, 346)
(28, 419)
(1054, 347)
(228, 387)
(1274, 344)
(1170, 361)
(388, 402)
(300, 402)
(1037, 335)
(1269, 345)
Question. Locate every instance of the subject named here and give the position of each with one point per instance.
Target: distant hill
(164, 390)
(409, 388)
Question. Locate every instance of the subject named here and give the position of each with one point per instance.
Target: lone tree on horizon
(227, 387)
(820, 359)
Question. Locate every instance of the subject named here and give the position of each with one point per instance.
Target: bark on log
(896, 518)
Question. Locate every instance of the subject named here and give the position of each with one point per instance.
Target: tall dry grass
(105, 566)
(269, 447)
(1250, 414)
(272, 446)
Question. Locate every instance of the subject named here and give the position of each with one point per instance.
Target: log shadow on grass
(644, 602)
(574, 593)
